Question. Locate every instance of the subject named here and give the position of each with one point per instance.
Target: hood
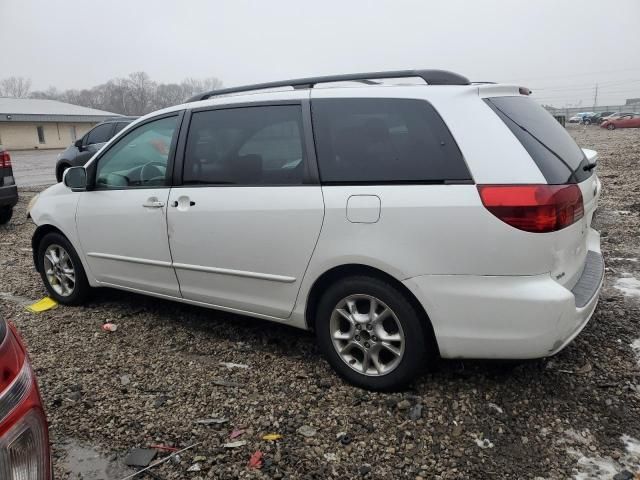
(54, 191)
(70, 150)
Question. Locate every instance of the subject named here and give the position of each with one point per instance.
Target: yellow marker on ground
(47, 303)
(272, 437)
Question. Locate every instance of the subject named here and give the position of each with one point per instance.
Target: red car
(24, 435)
(624, 120)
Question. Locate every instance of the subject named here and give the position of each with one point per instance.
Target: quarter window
(556, 154)
(139, 158)
(246, 146)
(380, 140)
(100, 134)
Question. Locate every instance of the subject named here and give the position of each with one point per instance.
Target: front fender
(55, 209)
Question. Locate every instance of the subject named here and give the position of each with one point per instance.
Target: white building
(28, 123)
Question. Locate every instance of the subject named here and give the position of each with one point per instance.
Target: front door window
(139, 159)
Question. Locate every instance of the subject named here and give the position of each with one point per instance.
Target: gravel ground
(573, 415)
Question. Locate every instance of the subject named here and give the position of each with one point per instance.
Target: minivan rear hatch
(561, 162)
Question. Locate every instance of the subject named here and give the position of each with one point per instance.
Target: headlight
(32, 202)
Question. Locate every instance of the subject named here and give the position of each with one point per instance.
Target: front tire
(61, 270)
(371, 334)
(611, 126)
(587, 122)
(5, 214)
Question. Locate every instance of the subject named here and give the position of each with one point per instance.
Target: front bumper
(8, 196)
(508, 317)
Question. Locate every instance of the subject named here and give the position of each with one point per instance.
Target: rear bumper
(508, 317)
(8, 196)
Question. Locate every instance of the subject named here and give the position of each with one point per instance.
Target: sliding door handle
(175, 203)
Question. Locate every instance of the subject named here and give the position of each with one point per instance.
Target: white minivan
(399, 215)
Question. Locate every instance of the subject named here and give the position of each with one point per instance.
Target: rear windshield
(553, 150)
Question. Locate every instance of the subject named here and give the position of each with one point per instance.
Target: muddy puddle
(81, 461)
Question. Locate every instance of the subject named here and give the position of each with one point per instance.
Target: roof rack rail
(431, 77)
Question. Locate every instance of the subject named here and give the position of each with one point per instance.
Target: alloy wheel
(367, 335)
(59, 269)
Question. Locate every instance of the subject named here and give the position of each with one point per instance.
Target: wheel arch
(356, 269)
(38, 235)
(60, 167)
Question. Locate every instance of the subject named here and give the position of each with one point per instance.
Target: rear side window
(100, 134)
(119, 126)
(553, 150)
(382, 140)
(246, 146)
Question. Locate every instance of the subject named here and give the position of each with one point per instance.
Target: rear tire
(611, 126)
(381, 351)
(5, 214)
(61, 270)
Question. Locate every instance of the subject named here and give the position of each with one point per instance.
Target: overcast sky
(560, 49)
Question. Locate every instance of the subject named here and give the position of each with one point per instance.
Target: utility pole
(595, 97)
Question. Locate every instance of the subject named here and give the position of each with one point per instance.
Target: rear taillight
(24, 449)
(5, 159)
(24, 438)
(534, 208)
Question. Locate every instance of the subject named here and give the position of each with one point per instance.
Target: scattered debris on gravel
(169, 374)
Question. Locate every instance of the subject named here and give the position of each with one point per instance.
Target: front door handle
(153, 202)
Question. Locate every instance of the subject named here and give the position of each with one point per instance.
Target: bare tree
(141, 91)
(16, 87)
(135, 95)
(168, 94)
(193, 86)
(50, 93)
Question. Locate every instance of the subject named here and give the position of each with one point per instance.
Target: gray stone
(623, 475)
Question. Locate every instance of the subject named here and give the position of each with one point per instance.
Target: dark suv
(8, 189)
(84, 148)
(596, 118)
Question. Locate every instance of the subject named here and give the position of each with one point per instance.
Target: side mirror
(75, 178)
(78, 144)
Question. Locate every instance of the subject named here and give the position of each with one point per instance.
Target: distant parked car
(579, 117)
(625, 120)
(8, 189)
(595, 118)
(608, 117)
(84, 148)
(24, 434)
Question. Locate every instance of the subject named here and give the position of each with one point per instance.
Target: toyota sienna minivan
(398, 215)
